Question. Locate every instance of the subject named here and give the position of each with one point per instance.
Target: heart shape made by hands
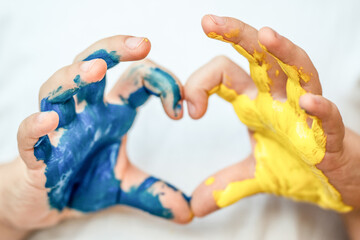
(84, 157)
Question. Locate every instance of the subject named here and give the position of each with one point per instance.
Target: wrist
(352, 224)
(9, 184)
(9, 232)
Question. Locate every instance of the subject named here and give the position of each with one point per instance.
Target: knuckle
(147, 62)
(21, 130)
(242, 27)
(221, 60)
(77, 58)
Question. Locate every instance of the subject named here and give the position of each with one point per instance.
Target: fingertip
(202, 203)
(191, 109)
(196, 99)
(182, 211)
(31, 129)
(47, 121)
(194, 112)
(99, 69)
(93, 70)
(211, 23)
(137, 47)
(176, 112)
(129, 48)
(205, 22)
(54, 119)
(310, 103)
(173, 106)
(193, 98)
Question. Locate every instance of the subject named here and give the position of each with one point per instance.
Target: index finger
(261, 45)
(112, 50)
(215, 76)
(127, 48)
(232, 30)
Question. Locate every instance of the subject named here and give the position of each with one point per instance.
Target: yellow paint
(287, 150)
(209, 181)
(232, 33)
(277, 73)
(228, 80)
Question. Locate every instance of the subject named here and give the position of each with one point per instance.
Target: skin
(25, 205)
(341, 161)
(339, 164)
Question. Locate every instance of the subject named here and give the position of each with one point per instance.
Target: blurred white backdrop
(39, 37)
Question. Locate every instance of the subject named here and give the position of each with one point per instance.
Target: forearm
(9, 173)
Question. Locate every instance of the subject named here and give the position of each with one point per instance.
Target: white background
(39, 37)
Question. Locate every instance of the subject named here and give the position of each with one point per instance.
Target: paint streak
(287, 150)
(80, 168)
(163, 83)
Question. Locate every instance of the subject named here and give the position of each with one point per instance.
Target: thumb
(225, 187)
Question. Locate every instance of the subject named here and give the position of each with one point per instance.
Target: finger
(150, 194)
(155, 196)
(112, 50)
(146, 78)
(225, 188)
(330, 117)
(290, 54)
(31, 129)
(64, 83)
(117, 48)
(207, 79)
(57, 93)
(264, 69)
(231, 30)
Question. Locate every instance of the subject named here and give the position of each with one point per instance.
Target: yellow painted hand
(289, 143)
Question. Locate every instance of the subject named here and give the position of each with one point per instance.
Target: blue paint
(59, 96)
(161, 83)
(111, 58)
(142, 197)
(93, 93)
(80, 169)
(42, 148)
(139, 97)
(165, 83)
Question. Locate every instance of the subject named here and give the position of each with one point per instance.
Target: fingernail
(86, 65)
(191, 108)
(134, 42)
(218, 20)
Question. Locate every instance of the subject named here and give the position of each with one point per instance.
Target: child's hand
(75, 150)
(299, 148)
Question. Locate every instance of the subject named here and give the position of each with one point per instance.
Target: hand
(300, 147)
(73, 153)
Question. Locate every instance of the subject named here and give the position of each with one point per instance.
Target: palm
(82, 153)
(286, 149)
(293, 151)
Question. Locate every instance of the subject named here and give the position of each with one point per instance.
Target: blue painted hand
(85, 156)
